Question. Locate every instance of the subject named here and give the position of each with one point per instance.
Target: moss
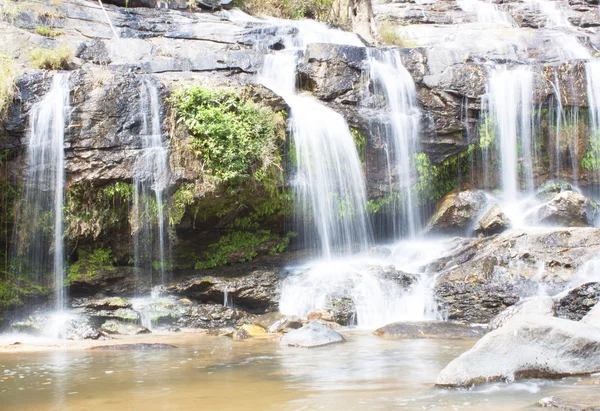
(48, 31)
(379, 204)
(487, 132)
(52, 59)
(242, 246)
(91, 211)
(14, 293)
(89, 262)
(360, 141)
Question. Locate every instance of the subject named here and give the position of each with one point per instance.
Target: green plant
(8, 74)
(236, 139)
(48, 31)
(360, 141)
(183, 198)
(389, 36)
(321, 10)
(242, 246)
(89, 262)
(591, 158)
(376, 205)
(487, 132)
(52, 59)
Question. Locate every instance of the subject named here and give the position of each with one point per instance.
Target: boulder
(121, 328)
(494, 221)
(253, 330)
(276, 322)
(313, 334)
(550, 189)
(566, 209)
(456, 212)
(578, 302)
(429, 329)
(241, 334)
(527, 347)
(593, 317)
(533, 306)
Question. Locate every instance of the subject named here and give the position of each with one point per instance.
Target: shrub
(389, 36)
(52, 59)
(8, 75)
(48, 31)
(321, 10)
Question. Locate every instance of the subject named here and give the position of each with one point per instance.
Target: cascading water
(150, 181)
(395, 84)
(510, 111)
(39, 229)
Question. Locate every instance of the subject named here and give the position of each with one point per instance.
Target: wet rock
(561, 404)
(527, 347)
(109, 303)
(456, 212)
(313, 334)
(211, 316)
(494, 221)
(578, 302)
(593, 317)
(550, 189)
(567, 209)
(535, 306)
(70, 328)
(133, 347)
(481, 277)
(276, 322)
(117, 281)
(81, 329)
(429, 329)
(121, 328)
(241, 334)
(215, 4)
(342, 310)
(253, 330)
(121, 314)
(222, 332)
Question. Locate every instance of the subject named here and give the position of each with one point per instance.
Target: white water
(38, 252)
(510, 107)
(150, 181)
(329, 185)
(393, 82)
(487, 13)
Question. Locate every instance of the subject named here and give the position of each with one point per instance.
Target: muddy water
(216, 373)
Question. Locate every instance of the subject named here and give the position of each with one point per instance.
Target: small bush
(48, 31)
(52, 59)
(8, 75)
(390, 37)
(321, 10)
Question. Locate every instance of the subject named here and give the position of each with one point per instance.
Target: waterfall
(150, 181)
(328, 183)
(394, 83)
(39, 229)
(510, 109)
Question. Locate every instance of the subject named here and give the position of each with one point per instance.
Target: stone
(494, 221)
(429, 330)
(313, 334)
(253, 330)
(561, 404)
(109, 303)
(593, 317)
(551, 188)
(456, 212)
(121, 328)
(276, 322)
(527, 347)
(133, 347)
(122, 314)
(578, 302)
(533, 306)
(566, 209)
(241, 334)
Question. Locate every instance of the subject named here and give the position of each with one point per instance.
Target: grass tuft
(52, 59)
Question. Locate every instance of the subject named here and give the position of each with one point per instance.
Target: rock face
(429, 329)
(593, 317)
(313, 334)
(494, 221)
(456, 212)
(567, 209)
(578, 302)
(536, 306)
(482, 277)
(527, 347)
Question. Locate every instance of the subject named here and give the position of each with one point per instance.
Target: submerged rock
(313, 334)
(567, 209)
(578, 302)
(527, 347)
(494, 221)
(534, 306)
(456, 212)
(120, 328)
(127, 347)
(276, 322)
(429, 329)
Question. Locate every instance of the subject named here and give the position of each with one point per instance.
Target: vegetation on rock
(8, 88)
(321, 10)
(48, 31)
(52, 59)
(89, 262)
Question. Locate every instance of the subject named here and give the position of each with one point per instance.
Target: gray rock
(456, 212)
(578, 302)
(121, 328)
(276, 322)
(534, 306)
(593, 317)
(494, 221)
(313, 334)
(429, 329)
(109, 303)
(562, 404)
(567, 209)
(550, 189)
(527, 347)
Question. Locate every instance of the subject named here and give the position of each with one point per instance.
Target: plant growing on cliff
(591, 158)
(321, 10)
(52, 59)
(236, 139)
(8, 74)
(48, 31)
(90, 261)
(388, 33)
